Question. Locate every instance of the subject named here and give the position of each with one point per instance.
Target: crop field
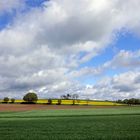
(120, 123)
(69, 102)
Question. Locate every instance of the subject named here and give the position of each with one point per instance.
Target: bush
(30, 97)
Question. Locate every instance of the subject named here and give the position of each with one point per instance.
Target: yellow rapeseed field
(69, 102)
(42, 101)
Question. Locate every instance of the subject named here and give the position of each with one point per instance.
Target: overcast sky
(55, 47)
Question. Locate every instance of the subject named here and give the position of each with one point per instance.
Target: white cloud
(10, 5)
(124, 59)
(85, 72)
(43, 47)
(120, 86)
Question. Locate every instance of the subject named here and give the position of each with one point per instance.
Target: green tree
(68, 96)
(12, 100)
(119, 101)
(6, 99)
(125, 101)
(59, 101)
(30, 97)
(74, 97)
(131, 101)
(137, 101)
(87, 100)
(49, 101)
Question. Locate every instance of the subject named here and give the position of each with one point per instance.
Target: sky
(55, 47)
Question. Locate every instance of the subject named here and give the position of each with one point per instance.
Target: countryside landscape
(32, 118)
(69, 70)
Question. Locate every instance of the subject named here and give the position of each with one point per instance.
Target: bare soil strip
(27, 107)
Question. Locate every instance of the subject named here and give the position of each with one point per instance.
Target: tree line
(31, 98)
(73, 97)
(132, 101)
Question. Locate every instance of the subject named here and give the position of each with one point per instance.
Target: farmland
(116, 123)
(69, 102)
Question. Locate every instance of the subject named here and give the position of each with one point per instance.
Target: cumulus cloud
(9, 5)
(119, 86)
(43, 48)
(124, 60)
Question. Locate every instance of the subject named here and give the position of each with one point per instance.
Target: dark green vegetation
(30, 97)
(93, 124)
(6, 99)
(131, 101)
(12, 100)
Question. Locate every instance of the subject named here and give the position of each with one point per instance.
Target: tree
(74, 96)
(49, 101)
(87, 100)
(137, 101)
(119, 101)
(6, 99)
(30, 97)
(59, 101)
(12, 100)
(68, 96)
(125, 101)
(131, 101)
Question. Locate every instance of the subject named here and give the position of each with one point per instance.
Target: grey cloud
(119, 86)
(52, 40)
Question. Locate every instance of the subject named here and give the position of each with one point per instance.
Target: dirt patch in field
(23, 107)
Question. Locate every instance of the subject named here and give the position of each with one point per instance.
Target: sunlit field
(98, 124)
(69, 102)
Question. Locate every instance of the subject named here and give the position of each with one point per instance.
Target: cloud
(44, 47)
(85, 72)
(120, 86)
(9, 6)
(124, 60)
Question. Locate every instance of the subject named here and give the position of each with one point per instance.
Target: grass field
(122, 123)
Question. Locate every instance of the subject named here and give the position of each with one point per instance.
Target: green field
(92, 124)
